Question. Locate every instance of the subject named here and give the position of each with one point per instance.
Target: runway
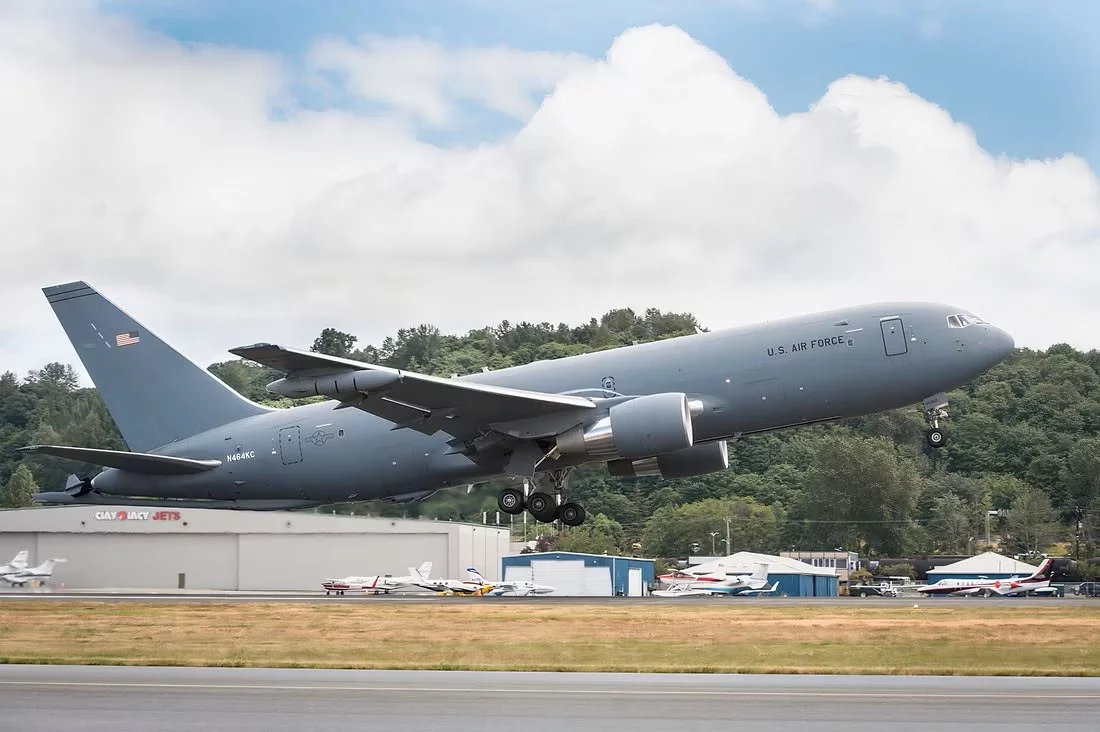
(175, 596)
(106, 699)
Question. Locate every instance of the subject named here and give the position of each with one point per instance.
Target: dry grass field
(1014, 640)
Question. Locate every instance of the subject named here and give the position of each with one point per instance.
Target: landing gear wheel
(510, 501)
(542, 507)
(571, 514)
(936, 437)
(934, 412)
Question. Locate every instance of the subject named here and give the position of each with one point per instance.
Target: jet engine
(711, 457)
(643, 426)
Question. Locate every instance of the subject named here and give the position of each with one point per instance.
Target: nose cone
(998, 344)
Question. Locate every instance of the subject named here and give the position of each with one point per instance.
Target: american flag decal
(127, 339)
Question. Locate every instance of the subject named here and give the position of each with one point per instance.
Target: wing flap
(131, 462)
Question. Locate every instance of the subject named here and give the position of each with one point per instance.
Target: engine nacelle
(343, 384)
(712, 457)
(643, 426)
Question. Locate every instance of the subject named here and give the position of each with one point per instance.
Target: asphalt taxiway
(124, 595)
(106, 698)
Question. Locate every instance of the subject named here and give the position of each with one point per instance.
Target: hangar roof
(746, 562)
(130, 520)
(578, 555)
(986, 563)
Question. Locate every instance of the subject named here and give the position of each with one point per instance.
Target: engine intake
(712, 457)
(644, 426)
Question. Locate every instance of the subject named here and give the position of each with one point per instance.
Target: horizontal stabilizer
(247, 504)
(131, 462)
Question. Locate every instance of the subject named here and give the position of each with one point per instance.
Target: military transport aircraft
(663, 408)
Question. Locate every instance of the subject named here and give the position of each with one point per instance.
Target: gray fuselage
(773, 375)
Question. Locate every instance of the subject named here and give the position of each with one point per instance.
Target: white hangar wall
(107, 546)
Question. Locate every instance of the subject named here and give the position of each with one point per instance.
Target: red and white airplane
(717, 581)
(984, 585)
(378, 584)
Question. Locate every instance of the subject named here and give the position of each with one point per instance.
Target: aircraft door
(290, 445)
(893, 337)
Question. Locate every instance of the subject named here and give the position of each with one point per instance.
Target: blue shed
(573, 574)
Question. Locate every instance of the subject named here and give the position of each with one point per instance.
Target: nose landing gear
(934, 412)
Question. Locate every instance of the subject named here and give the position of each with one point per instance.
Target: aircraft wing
(425, 403)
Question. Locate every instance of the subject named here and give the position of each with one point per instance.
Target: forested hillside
(1023, 439)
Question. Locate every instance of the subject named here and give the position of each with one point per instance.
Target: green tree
(1081, 475)
(859, 494)
(597, 535)
(672, 529)
(333, 342)
(898, 570)
(952, 524)
(18, 491)
(1030, 525)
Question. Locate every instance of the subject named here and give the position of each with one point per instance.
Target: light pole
(712, 535)
(728, 545)
(727, 542)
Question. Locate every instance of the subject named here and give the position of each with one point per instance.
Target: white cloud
(425, 79)
(654, 177)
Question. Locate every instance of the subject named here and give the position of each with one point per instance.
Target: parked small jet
(378, 584)
(509, 588)
(469, 586)
(18, 563)
(478, 585)
(30, 574)
(712, 590)
(665, 408)
(766, 590)
(1037, 580)
(714, 582)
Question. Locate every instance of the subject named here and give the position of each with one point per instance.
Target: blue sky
(1022, 74)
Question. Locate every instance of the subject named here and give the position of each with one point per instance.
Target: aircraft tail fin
(1044, 570)
(476, 576)
(761, 572)
(424, 570)
(154, 394)
(20, 560)
(47, 566)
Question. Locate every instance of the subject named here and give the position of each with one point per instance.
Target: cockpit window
(961, 320)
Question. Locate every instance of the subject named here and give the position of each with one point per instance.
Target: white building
(200, 548)
(989, 565)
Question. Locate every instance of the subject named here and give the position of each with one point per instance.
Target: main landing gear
(934, 412)
(543, 506)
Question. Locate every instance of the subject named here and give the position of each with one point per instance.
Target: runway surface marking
(558, 690)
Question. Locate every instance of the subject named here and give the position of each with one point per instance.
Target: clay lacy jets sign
(137, 515)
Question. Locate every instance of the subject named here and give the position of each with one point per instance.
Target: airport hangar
(217, 549)
(587, 575)
(989, 565)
